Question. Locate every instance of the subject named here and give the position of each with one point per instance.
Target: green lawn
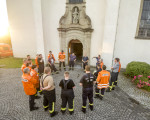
(11, 62)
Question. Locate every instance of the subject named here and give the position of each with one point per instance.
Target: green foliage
(137, 68)
(11, 62)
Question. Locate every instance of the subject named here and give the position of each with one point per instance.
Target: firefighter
(67, 93)
(72, 59)
(85, 60)
(34, 74)
(96, 75)
(51, 55)
(41, 65)
(98, 60)
(29, 88)
(61, 58)
(101, 63)
(28, 57)
(103, 81)
(51, 64)
(29, 66)
(118, 73)
(48, 89)
(87, 82)
(36, 60)
(114, 75)
(24, 64)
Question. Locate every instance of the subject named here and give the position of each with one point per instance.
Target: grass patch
(11, 62)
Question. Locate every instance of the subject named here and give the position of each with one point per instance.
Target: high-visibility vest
(52, 56)
(61, 56)
(103, 79)
(35, 76)
(28, 84)
(23, 67)
(119, 67)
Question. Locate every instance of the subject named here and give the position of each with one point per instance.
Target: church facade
(111, 28)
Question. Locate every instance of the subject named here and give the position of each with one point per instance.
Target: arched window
(144, 23)
(75, 1)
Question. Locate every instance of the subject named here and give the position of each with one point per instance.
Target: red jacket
(28, 84)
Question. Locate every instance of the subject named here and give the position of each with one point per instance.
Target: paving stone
(116, 105)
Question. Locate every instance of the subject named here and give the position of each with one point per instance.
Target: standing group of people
(37, 78)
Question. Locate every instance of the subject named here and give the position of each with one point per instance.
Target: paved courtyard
(117, 105)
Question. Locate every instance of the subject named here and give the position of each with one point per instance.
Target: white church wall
(95, 9)
(22, 27)
(52, 11)
(127, 48)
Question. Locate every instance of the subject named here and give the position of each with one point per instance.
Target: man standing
(114, 75)
(41, 65)
(29, 88)
(51, 55)
(103, 81)
(85, 60)
(72, 59)
(61, 58)
(118, 73)
(87, 82)
(48, 89)
(98, 60)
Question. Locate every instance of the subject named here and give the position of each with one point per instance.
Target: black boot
(37, 97)
(53, 114)
(91, 107)
(83, 110)
(100, 97)
(108, 90)
(71, 112)
(63, 111)
(34, 108)
(96, 96)
(45, 109)
(113, 88)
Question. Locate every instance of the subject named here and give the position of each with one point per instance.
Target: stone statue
(75, 15)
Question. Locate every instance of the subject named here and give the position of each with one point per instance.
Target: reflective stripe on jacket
(103, 79)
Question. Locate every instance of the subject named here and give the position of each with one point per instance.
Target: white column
(39, 27)
(110, 29)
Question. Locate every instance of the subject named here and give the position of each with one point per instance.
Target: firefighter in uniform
(118, 73)
(87, 82)
(61, 58)
(67, 93)
(24, 64)
(29, 88)
(85, 60)
(103, 81)
(51, 55)
(41, 65)
(96, 75)
(48, 89)
(34, 74)
(72, 59)
(98, 60)
(114, 75)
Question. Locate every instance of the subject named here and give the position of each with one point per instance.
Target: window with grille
(144, 25)
(75, 1)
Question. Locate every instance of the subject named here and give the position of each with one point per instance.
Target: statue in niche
(75, 15)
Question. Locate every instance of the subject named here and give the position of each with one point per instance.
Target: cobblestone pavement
(116, 105)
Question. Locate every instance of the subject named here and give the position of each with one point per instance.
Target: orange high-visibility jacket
(61, 56)
(36, 61)
(28, 84)
(52, 56)
(35, 76)
(101, 64)
(103, 79)
(23, 67)
(119, 67)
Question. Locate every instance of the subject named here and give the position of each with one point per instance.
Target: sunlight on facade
(4, 25)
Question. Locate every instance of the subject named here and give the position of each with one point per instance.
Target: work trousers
(113, 80)
(97, 91)
(63, 65)
(116, 79)
(85, 64)
(67, 96)
(87, 93)
(31, 101)
(71, 64)
(53, 68)
(49, 100)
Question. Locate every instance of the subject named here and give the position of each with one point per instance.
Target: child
(67, 94)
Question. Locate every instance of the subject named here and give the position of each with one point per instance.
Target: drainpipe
(116, 33)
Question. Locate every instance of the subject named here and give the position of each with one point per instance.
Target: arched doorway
(75, 46)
